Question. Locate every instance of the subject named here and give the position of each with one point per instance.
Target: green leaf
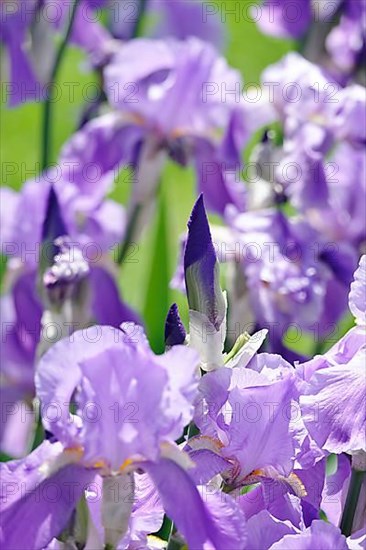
(157, 289)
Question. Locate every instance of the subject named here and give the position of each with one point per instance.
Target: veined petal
(205, 453)
(335, 490)
(107, 143)
(116, 512)
(319, 535)
(207, 527)
(58, 374)
(357, 295)
(265, 529)
(39, 503)
(258, 429)
(146, 516)
(334, 406)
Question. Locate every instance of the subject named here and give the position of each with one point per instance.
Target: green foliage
(157, 284)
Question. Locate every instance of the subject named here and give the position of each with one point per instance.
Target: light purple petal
(319, 535)
(272, 496)
(284, 18)
(40, 504)
(182, 501)
(18, 422)
(335, 490)
(259, 432)
(207, 464)
(333, 408)
(8, 207)
(58, 374)
(264, 530)
(105, 225)
(101, 146)
(183, 19)
(357, 541)
(357, 296)
(107, 307)
(124, 390)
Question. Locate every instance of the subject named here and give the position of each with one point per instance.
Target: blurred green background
(145, 282)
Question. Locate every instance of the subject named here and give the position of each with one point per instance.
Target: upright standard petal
(259, 431)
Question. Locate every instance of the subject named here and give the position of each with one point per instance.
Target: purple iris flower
(340, 215)
(87, 215)
(321, 167)
(343, 22)
(333, 400)
(21, 312)
(78, 284)
(154, 116)
(21, 20)
(319, 535)
(138, 404)
(313, 105)
(247, 444)
(289, 278)
(179, 19)
(269, 533)
(346, 43)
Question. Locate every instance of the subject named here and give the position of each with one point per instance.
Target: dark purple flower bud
(53, 227)
(201, 269)
(175, 333)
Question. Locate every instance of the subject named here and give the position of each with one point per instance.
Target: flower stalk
(47, 112)
(351, 502)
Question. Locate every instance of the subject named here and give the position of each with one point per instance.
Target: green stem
(175, 544)
(351, 502)
(47, 112)
(130, 231)
(192, 430)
